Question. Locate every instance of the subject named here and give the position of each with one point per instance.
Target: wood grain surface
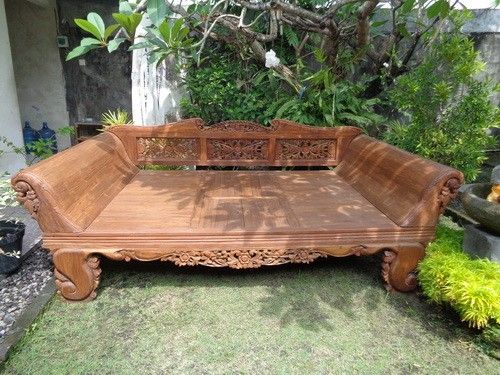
(92, 200)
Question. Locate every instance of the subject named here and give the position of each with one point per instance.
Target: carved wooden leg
(398, 267)
(77, 274)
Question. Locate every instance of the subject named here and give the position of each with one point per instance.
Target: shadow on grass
(323, 295)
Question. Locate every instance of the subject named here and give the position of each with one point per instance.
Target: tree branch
(363, 28)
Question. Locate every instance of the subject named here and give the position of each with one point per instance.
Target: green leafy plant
(114, 118)
(470, 286)
(165, 40)
(127, 19)
(39, 149)
(228, 87)
(448, 109)
(95, 26)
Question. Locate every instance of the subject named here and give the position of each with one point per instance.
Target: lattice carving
(305, 149)
(27, 197)
(239, 126)
(167, 148)
(238, 149)
(250, 258)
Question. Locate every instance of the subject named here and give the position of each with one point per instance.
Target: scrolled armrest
(410, 190)
(67, 191)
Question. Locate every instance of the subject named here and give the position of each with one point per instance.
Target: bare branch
(363, 28)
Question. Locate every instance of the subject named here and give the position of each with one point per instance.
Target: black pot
(11, 242)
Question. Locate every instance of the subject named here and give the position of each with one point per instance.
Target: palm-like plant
(115, 118)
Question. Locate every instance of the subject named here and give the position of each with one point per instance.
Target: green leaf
(110, 30)
(90, 41)
(115, 43)
(165, 30)
(140, 45)
(284, 107)
(80, 50)
(97, 21)
(157, 11)
(329, 119)
(408, 5)
(128, 22)
(88, 27)
(291, 36)
(379, 23)
(440, 7)
(125, 8)
(174, 33)
(403, 30)
(155, 58)
(135, 20)
(122, 19)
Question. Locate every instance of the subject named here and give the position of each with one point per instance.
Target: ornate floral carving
(239, 126)
(167, 148)
(238, 149)
(76, 289)
(245, 258)
(360, 250)
(305, 149)
(448, 192)
(387, 260)
(27, 197)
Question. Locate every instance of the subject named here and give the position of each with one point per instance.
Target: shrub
(227, 87)
(448, 108)
(470, 286)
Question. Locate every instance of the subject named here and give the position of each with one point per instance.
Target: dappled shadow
(328, 295)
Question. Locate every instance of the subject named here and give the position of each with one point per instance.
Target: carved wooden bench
(92, 200)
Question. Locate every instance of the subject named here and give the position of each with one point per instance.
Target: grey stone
(481, 244)
(8, 318)
(473, 197)
(495, 175)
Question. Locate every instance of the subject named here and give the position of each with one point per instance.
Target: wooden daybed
(92, 200)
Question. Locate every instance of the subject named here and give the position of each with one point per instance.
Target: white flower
(385, 65)
(271, 59)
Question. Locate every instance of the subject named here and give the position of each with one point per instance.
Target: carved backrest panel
(236, 143)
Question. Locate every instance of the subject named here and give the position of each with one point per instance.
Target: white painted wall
(37, 64)
(10, 121)
(156, 91)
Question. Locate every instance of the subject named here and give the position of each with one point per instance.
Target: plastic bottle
(29, 135)
(48, 134)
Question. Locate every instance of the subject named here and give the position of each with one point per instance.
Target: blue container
(48, 134)
(29, 135)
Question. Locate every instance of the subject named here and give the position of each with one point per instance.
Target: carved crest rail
(236, 143)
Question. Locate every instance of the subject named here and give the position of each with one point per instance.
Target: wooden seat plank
(237, 201)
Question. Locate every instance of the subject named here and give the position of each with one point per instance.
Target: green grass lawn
(333, 316)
